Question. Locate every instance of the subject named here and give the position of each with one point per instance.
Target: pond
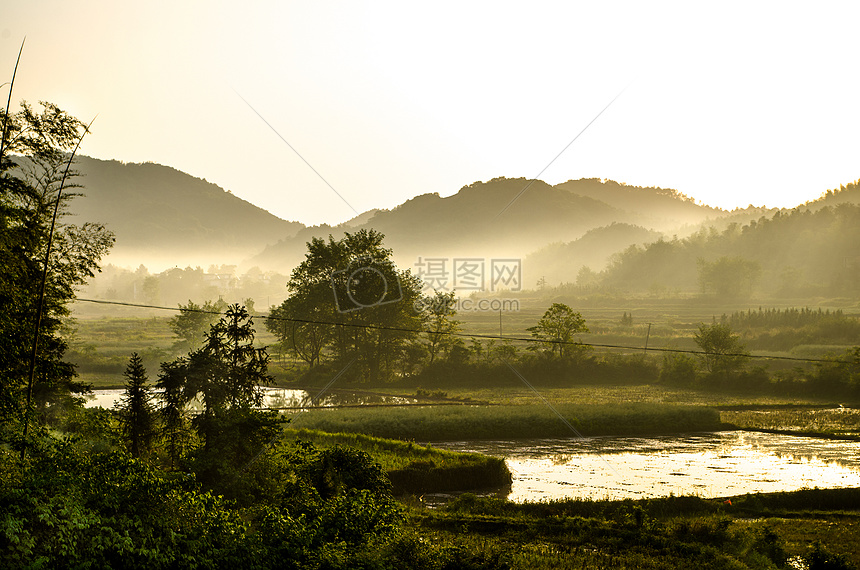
(705, 464)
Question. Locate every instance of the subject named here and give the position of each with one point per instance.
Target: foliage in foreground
(74, 509)
(310, 507)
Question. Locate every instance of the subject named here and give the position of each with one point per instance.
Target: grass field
(414, 468)
(753, 531)
(100, 346)
(836, 421)
(391, 454)
(601, 395)
(422, 423)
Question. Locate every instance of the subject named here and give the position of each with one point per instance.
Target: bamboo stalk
(9, 100)
(41, 302)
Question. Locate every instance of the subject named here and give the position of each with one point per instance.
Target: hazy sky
(731, 103)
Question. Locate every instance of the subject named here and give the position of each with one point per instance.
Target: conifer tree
(135, 409)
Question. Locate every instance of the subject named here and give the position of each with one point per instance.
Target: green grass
(755, 531)
(824, 421)
(101, 346)
(416, 468)
(391, 454)
(510, 422)
(606, 395)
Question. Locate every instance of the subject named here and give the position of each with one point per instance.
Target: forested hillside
(794, 253)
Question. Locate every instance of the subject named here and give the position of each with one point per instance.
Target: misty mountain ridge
(845, 194)
(503, 217)
(160, 213)
(661, 209)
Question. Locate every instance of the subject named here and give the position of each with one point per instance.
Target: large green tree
(36, 147)
(349, 302)
(292, 322)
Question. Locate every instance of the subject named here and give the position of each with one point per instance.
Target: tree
(506, 351)
(678, 369)
(587, 278)
(722, 349)
(289, 323)
(35, 155)
(557, 327)
(728, 277)
(171, 412)
(193, 322)
(354, 305)
(227, 374)
(436, 315)
(135, 411)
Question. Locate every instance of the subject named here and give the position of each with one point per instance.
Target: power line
(469, 335)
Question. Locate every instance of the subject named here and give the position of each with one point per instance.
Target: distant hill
(163, 216)
(798, 252)
(658, 208)
(359, 220)
(469, 223)
(560, 262)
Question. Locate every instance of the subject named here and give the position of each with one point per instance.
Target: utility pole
(647, 336)
(500, 322)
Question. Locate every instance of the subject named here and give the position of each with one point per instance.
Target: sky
(317, 111)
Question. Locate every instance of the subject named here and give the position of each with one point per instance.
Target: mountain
(504, 217)
(658, 208)
(163, 216)
(359, 220)
(797, 252)
(560, 262)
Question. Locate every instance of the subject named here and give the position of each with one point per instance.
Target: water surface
(706, 464)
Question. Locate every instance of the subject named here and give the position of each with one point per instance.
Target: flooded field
(707, 465)
(704, 464)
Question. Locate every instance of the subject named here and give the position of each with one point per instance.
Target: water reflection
(708, 465)
(277, 398)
